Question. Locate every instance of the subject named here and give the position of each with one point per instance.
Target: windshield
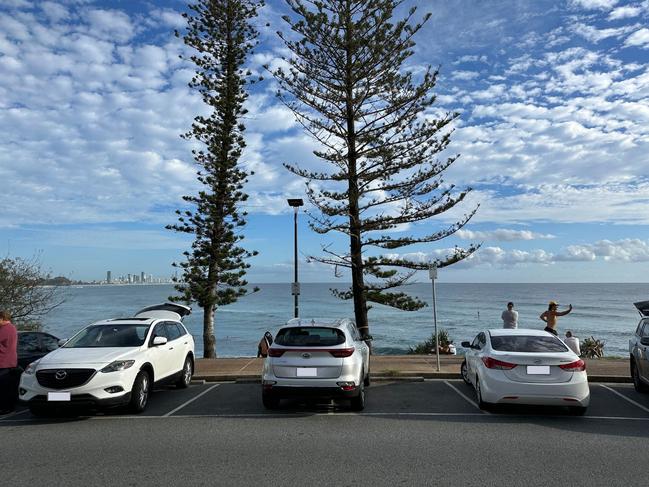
(533, 344)
(109, 336)
(309, 336)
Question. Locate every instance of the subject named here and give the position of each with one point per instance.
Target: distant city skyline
(553, 136)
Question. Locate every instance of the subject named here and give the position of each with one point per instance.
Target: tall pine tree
(221, 33)
(349, 87)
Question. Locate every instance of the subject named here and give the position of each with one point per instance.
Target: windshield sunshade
(309, 337)
(109, 336)
(532, 344)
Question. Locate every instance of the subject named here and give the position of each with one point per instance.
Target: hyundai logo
(60, 374)
(306, 355)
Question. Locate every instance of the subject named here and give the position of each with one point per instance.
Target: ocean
(604, 311)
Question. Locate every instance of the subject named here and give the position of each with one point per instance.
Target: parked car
(321, 358)
(113, 362)
(522, 366)
(33, 345)
(638, 356)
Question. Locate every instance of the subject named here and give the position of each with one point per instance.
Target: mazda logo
(306, 355)
(60, 374)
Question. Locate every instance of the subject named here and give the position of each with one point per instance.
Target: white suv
(113, 362)
(320, 358)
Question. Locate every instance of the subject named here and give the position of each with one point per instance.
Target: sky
(553, 137)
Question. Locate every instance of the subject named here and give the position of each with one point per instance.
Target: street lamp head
(295, 202)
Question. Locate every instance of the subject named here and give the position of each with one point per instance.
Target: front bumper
(79, 400)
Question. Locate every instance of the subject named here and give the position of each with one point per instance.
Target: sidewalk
(393, 367)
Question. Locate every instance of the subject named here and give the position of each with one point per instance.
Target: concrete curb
(420, 377)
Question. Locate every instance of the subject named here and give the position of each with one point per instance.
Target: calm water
(603, 310)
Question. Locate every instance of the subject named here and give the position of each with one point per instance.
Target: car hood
(86, 356)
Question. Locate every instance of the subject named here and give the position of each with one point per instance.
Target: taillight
(342, 352)
(492, 363)
(577, 366)
(275, 352)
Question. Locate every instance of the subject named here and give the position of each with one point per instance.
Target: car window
(476, 342)
(49, 343)
(117, 335)
(173, 332)
(160, 330)
(182, 329)
(28, 343)
(645, 330)
(309, 337)
(482, 340)
(532, 344)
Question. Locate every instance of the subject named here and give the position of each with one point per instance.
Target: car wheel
(465, 373)
(186, 375)
(269, 401)
(140, 392)
(578, 410)
(478, 392)
(358, 402)
(366, 381)
(637, 381)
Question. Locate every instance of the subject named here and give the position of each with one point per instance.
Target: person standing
(550, 317)
(8, 362)
(572, 342)
(510, 317)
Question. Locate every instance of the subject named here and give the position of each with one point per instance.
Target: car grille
(64, 378)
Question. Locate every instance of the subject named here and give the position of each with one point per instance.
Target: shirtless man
(550, 316)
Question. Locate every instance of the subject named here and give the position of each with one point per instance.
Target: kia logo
(60, 374)
(306, 355)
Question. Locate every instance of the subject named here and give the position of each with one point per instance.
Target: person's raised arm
(563, 313)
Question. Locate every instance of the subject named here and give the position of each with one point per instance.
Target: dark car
(33, 345)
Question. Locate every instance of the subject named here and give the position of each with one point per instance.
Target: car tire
(358, 403)
(186, 374)
(465, 373)
(140, 392)
(637, 382)
(578, 410)
(269, 401)
(485, 406)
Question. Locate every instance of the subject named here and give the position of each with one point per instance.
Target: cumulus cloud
(593, 4)
(502, 235)
(625, 12)
(638, 38)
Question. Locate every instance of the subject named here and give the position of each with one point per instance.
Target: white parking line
(251, 361)
(469, 400)
(190, 401)
(626, 398)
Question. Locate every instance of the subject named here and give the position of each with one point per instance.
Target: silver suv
(638, 353)
(320, 358)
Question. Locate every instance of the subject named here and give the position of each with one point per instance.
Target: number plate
(307, 372)
(538, 369)
(58, 396)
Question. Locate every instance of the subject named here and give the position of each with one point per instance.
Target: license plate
(307, 372)
(538, 369)
(58, 396)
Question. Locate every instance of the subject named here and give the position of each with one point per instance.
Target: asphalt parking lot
(427, 398)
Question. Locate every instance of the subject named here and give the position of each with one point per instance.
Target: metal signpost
(432, 273)
(295, 287)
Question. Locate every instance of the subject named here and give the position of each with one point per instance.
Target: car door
(159, 355)
(470, 357)
(642, 357)
(175, 347)
(473, 361)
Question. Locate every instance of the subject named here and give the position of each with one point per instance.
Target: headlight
(31, 368)
(118, 365)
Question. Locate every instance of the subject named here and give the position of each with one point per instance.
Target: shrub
(592, 348)
(428, 346)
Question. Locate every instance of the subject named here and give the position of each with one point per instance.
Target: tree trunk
(355, 247)
(209, 340)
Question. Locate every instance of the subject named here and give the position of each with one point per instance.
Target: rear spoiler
(643, 307)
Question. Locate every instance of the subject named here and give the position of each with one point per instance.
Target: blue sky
(553, 137)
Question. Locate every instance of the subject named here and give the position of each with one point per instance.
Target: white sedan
(113, 362)
(525, 367)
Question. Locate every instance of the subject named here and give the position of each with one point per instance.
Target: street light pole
(432, 273)
(295, 288)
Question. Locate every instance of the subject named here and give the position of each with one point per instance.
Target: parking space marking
(626, 398)
(190, 401)
(469, 400)
(251, 361)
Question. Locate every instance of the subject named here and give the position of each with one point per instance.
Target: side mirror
(62, 341)
(466, 344)
(157, 341)
(644, 341)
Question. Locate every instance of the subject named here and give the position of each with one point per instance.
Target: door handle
(171, 348)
